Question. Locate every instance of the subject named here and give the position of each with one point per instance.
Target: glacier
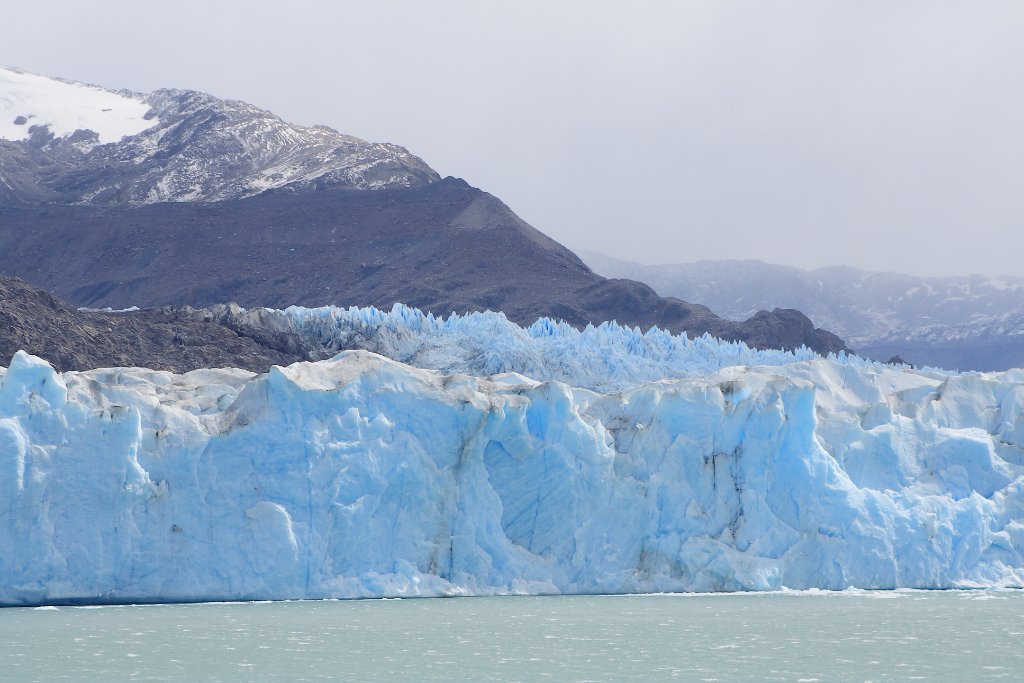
(537, 460)
(605, 357)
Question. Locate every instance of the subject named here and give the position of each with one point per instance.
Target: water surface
(849, 636)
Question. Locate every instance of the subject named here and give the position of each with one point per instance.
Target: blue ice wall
(362, 476)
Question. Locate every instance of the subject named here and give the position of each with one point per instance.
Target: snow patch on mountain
(28, 100)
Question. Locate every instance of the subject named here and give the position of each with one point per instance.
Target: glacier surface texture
(627, 462)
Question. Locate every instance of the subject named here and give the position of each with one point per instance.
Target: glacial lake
(814, 636)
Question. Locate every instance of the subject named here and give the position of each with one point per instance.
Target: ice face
(361, 476)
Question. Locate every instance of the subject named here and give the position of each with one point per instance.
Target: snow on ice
(671, 465)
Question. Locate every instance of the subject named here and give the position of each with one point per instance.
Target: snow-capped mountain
(72, 143)
(966, 322)
(117, 199)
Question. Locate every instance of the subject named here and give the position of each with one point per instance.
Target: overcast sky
(881, 134)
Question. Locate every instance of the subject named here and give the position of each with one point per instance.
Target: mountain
(969, 322)
(192, 200)
(361, 476)
(171, 146)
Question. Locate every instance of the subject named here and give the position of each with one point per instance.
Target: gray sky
(885, 135)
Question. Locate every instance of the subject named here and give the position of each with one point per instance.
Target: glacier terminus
(541, 460)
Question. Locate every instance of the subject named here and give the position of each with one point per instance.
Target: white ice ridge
(605, 357)
(362, 476)
(28, 100)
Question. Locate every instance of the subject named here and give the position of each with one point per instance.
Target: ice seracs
(28, 100)
(363, 476)
(605, 357)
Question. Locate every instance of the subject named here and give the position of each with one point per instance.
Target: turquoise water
(850, 636)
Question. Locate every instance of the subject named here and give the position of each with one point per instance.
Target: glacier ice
(673, 465)
(606, 357)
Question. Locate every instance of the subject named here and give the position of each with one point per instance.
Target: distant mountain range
(179, 198)
(969, 322)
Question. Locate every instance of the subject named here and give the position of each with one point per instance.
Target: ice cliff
(363, 476)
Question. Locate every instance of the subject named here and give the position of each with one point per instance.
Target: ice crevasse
(361, 476)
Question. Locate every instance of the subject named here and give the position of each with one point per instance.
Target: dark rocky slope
(33, 320)
(440, 247)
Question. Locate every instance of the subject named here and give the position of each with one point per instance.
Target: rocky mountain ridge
(199, 149)
(444, 247)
